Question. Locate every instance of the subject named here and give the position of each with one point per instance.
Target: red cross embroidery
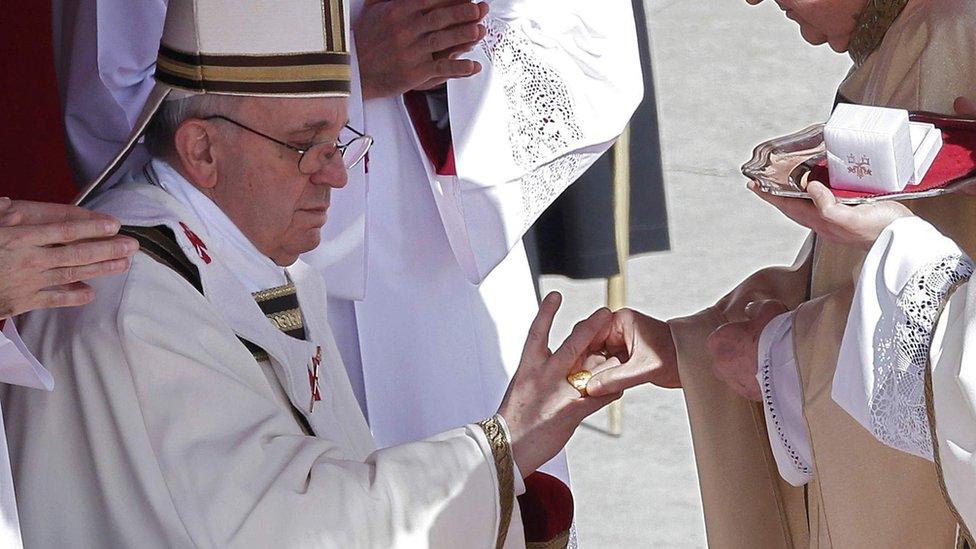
(313, 378)
(198, 244)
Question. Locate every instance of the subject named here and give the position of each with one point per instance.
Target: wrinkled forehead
(294, 113)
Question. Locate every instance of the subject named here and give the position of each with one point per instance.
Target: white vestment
(168, 432)
(17, 367)
(430, 292)
(906, 363)
(447, 277)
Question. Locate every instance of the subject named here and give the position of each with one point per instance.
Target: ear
(195, 149)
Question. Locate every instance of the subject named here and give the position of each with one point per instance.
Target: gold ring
(579, 380)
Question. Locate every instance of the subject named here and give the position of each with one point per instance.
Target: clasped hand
(621, 349)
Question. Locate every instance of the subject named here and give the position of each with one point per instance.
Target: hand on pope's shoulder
(47, 251)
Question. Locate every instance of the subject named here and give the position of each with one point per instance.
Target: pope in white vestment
(430, 289)
(206, 403)
(168, 432)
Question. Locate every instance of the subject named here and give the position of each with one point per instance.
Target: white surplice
(447, 278)
(17, 367)
(913, 318)
(430, 292)
(167, 432)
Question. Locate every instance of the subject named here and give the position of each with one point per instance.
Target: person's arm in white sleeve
(908, 274)
(17, 364)
(105, 52)
(782, 398)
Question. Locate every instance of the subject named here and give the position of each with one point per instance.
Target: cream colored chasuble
(864, 494)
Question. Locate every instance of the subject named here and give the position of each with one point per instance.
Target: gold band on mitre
(310, 73)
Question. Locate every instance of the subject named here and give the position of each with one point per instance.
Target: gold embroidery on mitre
(871, 26)
(501, 451)
(296, 73)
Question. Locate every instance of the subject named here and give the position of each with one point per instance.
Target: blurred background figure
(46, 250)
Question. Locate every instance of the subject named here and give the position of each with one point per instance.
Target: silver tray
(779, 167)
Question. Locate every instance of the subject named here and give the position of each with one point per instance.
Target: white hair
(162, 128)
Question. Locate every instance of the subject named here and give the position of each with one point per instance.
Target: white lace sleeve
(783, 401)
(543, 125)
(880, 378)
(557, 87)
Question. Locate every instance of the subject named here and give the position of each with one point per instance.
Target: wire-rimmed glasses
(352, 151)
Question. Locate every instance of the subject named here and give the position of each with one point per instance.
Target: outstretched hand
(48, 250)
(640, 350)
(541, 408)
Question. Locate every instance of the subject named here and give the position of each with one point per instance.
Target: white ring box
(927, 142)
(869, 149)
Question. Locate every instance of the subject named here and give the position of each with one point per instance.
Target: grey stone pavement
(728, 76)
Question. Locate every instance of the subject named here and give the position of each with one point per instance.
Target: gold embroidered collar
(871, 26)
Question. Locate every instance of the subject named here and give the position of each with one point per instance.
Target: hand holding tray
(782, 166)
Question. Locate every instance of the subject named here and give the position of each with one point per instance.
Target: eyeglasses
(352, 151)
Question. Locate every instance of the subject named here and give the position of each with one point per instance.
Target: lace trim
(542, 121)
(545, 183)
(501, 451)
(798, 463)
(903, 338)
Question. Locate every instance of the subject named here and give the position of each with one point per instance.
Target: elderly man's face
(279, 208)
(824, 21)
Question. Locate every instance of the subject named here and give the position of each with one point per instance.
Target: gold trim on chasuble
(965, 536)
(280, 306)
(871, 26)
(501, 451)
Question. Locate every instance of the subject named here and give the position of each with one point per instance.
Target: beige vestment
(863, 494)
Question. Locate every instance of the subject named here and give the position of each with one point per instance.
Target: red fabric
(435, 141)
(547, 507)
(33, 155)
(955, 161)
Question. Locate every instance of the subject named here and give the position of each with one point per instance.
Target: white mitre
(296, 48)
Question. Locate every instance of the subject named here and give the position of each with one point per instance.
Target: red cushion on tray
(955, 161)
(547, 508)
